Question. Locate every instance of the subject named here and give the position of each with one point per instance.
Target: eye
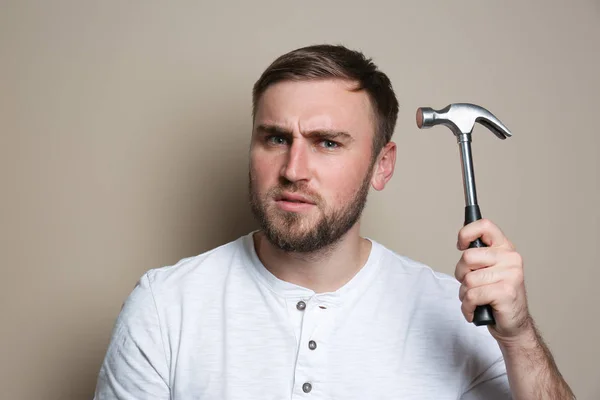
(330, 144)
(276, 140)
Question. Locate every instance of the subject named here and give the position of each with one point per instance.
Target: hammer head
(461, 118)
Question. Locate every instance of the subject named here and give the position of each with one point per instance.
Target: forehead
(317, 104)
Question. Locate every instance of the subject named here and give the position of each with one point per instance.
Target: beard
(295, 231)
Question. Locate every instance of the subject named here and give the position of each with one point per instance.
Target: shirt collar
(292, 291)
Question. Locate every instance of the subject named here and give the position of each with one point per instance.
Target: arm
(531, 369)
(494, 275)
(135, 365)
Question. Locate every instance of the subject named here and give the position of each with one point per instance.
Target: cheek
(264, 172)
(343, 182)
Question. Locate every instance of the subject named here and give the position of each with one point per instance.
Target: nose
(296, 167)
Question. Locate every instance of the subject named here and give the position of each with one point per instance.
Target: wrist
(526, 340)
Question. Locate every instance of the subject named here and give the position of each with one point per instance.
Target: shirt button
(301, 305)
(312, 345)
(307, 387)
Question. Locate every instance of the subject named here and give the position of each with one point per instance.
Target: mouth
(294, 198)
(293, 202)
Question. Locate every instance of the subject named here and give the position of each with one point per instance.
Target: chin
(292, 225)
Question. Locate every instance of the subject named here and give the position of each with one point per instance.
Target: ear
(384, 166)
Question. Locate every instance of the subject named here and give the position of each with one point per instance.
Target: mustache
(297, 189)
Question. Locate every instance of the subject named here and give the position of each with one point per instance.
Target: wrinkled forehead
(318, 104)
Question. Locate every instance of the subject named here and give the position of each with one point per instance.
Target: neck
(325, 270)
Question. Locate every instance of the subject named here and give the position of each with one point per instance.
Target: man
(306, 308)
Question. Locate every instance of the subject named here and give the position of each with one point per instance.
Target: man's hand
(494, 275)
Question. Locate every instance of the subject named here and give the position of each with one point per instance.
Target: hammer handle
(483, 314)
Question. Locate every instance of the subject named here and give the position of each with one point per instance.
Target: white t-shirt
(221, 326)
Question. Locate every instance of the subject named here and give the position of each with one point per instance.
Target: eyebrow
(320, 133)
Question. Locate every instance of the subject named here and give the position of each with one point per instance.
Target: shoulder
(401, 268)
(430, 299)
(200, 272)
(193, 283)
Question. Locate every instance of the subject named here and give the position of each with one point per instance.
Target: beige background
(125, 128)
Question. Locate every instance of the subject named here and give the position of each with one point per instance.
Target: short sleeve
(135, 365)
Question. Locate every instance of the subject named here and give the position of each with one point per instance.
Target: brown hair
(336, 62)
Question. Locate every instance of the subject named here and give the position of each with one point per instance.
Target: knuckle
(470, 296)
(458, 275)
(470, 280)
(461, 292)
(469, 256)
(486, 223)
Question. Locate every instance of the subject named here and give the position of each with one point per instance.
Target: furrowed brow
(272, 130)
(324, 134)
(328, 134)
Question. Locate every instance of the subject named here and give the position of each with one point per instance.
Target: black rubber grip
(483, 314)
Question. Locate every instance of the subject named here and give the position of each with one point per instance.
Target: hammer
(460, 118)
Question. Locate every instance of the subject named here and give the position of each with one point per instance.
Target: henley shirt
(221, 326)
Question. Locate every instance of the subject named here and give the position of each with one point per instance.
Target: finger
(474, 259)
(484, 257)
(484, 277)
(496, 295)
(485, 229)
